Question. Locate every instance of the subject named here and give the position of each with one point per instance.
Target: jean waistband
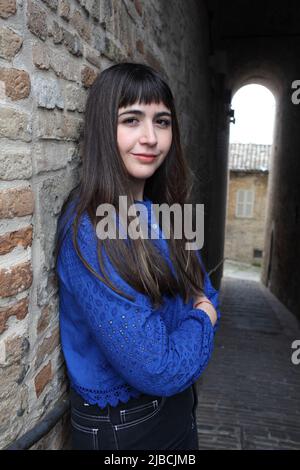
(79, 402)
(116, 413)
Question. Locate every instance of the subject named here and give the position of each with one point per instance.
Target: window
(244, 203)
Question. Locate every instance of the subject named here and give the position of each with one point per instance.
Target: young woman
(137, 315)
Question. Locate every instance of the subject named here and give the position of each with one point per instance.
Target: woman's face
(144, 138)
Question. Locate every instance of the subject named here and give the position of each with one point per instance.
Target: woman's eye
(163, 122)
(130, 120)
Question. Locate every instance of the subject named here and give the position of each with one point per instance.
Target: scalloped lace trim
(119, 394)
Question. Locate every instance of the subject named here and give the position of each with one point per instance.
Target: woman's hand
(207, 307)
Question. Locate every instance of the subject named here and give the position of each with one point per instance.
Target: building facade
(246, 202)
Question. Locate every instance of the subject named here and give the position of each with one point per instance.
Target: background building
(246, 202)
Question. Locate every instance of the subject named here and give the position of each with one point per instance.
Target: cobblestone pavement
(249, 394)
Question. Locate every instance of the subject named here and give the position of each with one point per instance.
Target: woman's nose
(148, 134)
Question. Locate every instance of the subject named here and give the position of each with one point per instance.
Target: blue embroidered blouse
(115, 348)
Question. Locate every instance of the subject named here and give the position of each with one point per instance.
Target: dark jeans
(144, 423)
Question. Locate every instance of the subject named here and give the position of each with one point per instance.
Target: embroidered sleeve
(132, 335)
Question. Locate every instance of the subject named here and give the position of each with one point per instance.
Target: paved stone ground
(249, 395)
(241, 270)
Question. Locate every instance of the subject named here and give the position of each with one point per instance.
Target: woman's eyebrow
(141, 113)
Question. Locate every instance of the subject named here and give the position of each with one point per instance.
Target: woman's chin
(142, 173)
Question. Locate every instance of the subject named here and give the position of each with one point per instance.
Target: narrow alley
(249, 394)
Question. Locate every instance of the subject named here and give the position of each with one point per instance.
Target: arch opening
(249, 174)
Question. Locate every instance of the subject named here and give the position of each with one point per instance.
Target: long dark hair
(105, 178)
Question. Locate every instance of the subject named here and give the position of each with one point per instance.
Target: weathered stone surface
(16, 202)
(17, 83)
(15, 165)
(10, 43)
(10, 240)
(14, 124)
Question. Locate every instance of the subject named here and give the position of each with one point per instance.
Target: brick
(14, 124)
(153, 61)
(138, 6)
(44, 320)
(19, 310)
(81, 25)
(72, 43)
(106, 13)
(16, 202)
(47, 347)
(14, 398)
(113, 52)
(98, 42)
(14, 165)
(47, 287)
(40, 57)
(88, 75)
(51, 4)
(10, 43)
(57, 126)
(62, 65)
(57, 32)
(64, 9)
(16, 347)
(51, 155)
(10, 240)
(48, 93)
(75, 98)
(37, 20)
(15, 279)
(94, 10)
(140, 46)
(17, 83)
(92, 7)
(7, 8)
(42, 379)
(93, 56)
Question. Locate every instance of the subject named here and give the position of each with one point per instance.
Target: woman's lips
(145, 157)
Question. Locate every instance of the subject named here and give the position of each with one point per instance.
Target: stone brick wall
(50, 53)
(243, 235)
